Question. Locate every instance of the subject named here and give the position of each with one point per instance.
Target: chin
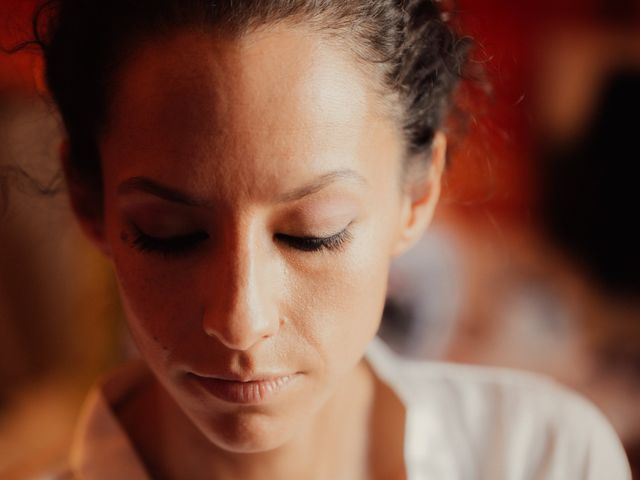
(247, 432)
(242, 429)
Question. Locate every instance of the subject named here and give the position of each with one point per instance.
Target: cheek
(345, 295)
(340, 306)
(352, 294)
(162, 313)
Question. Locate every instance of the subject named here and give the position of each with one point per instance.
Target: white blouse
(463, 423)
(469, 422)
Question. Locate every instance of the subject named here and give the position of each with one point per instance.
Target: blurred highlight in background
(532, 261)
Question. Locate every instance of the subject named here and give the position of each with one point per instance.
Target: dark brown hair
(417, 53)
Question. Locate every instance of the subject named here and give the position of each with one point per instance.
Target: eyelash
(171, 246)
(184, 244)
(315, 244)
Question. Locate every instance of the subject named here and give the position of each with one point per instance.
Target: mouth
(251, 391)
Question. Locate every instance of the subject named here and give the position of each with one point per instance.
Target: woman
(250, 169)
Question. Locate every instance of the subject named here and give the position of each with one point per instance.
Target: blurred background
(532, 261)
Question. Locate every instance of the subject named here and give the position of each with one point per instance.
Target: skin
(275, 133)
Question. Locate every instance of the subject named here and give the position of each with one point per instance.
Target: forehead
(276, 100)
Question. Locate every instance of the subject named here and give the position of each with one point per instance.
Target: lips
(250, 391)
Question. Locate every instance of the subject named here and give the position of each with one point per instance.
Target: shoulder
(101, 447)
(504, 423)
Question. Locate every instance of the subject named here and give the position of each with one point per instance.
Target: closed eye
(168, 246)
(184, 244)
(315, 244)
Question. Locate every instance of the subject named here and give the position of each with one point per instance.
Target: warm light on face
(251, 208)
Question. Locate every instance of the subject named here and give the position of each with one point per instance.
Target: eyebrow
(319, 183)
(174, 195)
(147, 185)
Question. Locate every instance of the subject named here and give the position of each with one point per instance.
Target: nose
(241, 309)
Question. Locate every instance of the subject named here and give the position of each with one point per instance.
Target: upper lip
(243, 378)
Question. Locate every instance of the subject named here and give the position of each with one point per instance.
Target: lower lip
(245, 393)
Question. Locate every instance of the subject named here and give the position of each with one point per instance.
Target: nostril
(239, 333)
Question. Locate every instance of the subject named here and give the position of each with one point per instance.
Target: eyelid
(177, 245)
(139, 231)
(312, 244)
(160, 223)
(172, 246)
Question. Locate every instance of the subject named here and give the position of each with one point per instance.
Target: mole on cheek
(164, 347)
(124, 236)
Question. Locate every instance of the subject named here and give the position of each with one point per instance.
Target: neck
(335, 444)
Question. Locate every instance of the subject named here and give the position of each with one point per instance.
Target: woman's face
(251, 207)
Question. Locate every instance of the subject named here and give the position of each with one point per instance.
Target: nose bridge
(242, 311)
